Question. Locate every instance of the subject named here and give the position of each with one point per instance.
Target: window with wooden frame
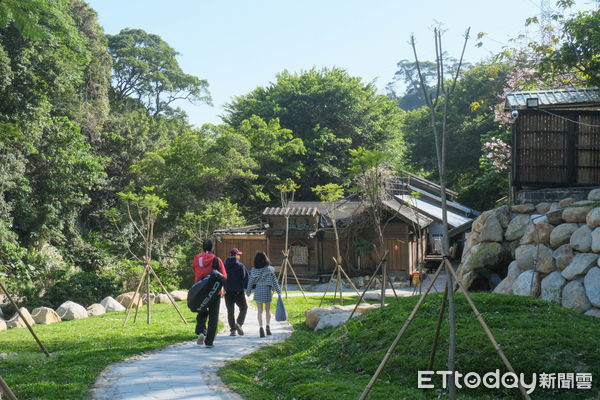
(299, 254)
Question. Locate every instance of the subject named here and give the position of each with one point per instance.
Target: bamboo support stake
(392, 286)
(437, 330)
(368, 285)
(148, 296)
(4, 389)
(24, 320)
(134, 296)
(387, 356)
(327, 290)
(168, 295)
(485, 327)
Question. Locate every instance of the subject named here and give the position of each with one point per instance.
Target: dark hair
(261, 260)
(207, 245)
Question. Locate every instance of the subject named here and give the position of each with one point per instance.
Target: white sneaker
(200, 339)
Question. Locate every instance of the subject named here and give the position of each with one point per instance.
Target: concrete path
(189, 371)
(185, 370)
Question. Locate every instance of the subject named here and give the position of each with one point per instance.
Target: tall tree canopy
(330, 111)
(145, 68)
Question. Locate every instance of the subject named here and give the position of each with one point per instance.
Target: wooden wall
(552, 150)
(247, 244)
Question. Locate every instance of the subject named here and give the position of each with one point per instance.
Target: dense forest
(92, 145)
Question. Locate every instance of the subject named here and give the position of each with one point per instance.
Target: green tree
(145, 68)
(277, 154)
(576, 48)
(470, 117)
(330, 111)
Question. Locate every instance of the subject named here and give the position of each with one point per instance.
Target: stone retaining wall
(548, 250)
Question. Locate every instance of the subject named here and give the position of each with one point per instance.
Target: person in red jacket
(203, 265)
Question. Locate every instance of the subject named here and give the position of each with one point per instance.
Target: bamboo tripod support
(24, 320)
(496, 346)
(283, 274)
(339, 271)
(4, 389)
(381, 261)
(146, 275)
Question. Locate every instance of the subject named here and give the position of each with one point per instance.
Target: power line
(568, 119)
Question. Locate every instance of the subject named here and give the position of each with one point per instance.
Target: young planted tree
(370, 173)
(147, 206)
(329, 195)
(287, 189)
(444, 89)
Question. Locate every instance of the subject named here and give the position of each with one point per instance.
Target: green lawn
(81, 349)
(536, 336)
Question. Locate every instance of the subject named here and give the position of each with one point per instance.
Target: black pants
(231, 299)
(213, 320)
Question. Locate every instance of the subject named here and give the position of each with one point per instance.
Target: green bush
(82, 287)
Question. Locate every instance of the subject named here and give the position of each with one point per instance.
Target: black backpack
(205, 292)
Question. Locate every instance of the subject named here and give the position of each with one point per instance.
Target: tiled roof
(292, 210)
(556, 97)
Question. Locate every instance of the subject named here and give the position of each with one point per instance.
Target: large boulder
(492, 230)
(111, 305)
(95, 309)
(517, 226)
(523, 208)
(554, 217)
(593, 312)
(562, 234)
(577, 212)
(505, 287)
(596, 240)
(478, 223)
(527, 284)
(580, 265)
(152, 298)
(44, 315)
(17, 322)
(591, 282)
(126, 299)
(543, 207)
(594, 195)
(1, 313)
(566, 202)
(3, 326)
(70, 310)
(490, 255)
(504, 215)
(330, 321)
(537, 232)
(563, 256)
(593, 218)
(179, 295)
(573, 296)
(581, 239)
(530, 255)
(315, 314)
(552, 286)
(162, 298)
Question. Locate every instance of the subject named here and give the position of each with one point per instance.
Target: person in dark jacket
(237, 282)
(203, 265)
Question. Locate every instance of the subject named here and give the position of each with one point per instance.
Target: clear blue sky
(239, 45)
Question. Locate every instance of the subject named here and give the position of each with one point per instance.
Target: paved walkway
(189, 371)
(185, 370)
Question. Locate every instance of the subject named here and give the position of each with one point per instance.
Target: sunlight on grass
(81, 349)
(535, 335)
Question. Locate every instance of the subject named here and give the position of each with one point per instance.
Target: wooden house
(555, 139)
(312, 237)
(412, 228)
(423, 197)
